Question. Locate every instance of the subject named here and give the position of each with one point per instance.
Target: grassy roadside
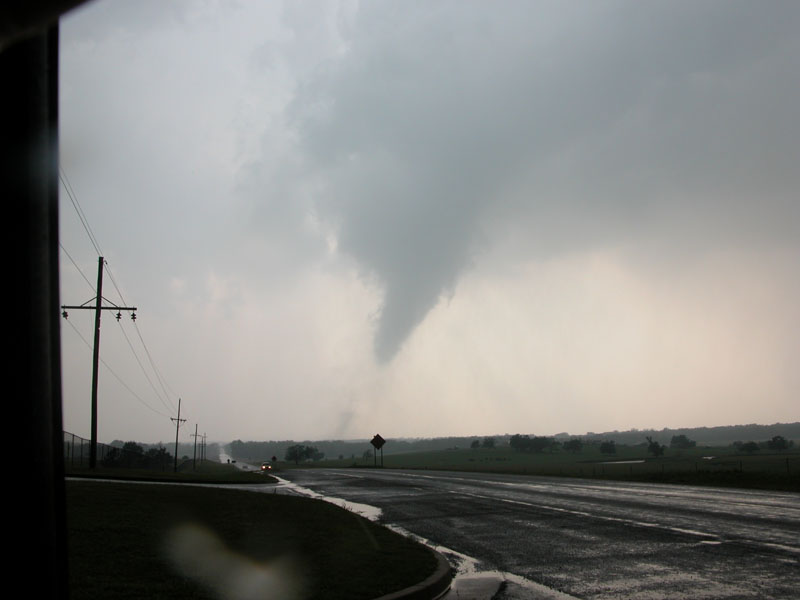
(169, 541)
(205, 472)
(719, 467)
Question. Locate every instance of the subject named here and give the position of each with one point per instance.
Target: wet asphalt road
(591, 539)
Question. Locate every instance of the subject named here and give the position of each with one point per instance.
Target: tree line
(539, 444)
(299, 452)
(725, 435)
(133, 456)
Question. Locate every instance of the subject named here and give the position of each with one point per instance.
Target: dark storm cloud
(572, 125)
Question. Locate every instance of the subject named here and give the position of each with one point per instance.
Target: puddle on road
(467, 568)
(373, 513)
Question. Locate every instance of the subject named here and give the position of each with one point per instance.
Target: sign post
(377, 442)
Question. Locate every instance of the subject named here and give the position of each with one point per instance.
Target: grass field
(697, 466)
(206, 472)
(133, 540)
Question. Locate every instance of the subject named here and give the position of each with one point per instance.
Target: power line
(78, 210)
(133, 350)
(116, 376)
(156, 372)
(86, 279)
(114, 282)
(161, 381)
(165, 399)
(141, 366)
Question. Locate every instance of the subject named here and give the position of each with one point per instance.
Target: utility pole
(97, 308)
(194, 459)
(178, 422)
(203, 448)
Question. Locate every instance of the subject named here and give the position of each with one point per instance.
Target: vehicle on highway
(266, 466)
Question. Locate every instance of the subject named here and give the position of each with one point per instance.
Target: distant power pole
(97, 308)
(178, 422)
(194, 458)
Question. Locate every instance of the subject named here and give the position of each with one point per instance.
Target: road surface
(591, 539)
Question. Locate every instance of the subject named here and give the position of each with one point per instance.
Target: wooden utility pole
(178, 422)
(194, 459)
(97, 308)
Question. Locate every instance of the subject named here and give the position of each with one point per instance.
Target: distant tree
(111, 457)
(475, 444)
(157, 458)
(132, 448)
(750, 447)
(132, 455)
(540, 443)
(524, 443)
(296, 453)
(520, 443)
(488, 442)
(237, 449)
(778, 443)
(681, 442)
(608, 447)
(654, 447)
(574, 445)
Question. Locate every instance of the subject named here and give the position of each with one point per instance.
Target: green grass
(779, 471)
(206, 472)
(119, 540)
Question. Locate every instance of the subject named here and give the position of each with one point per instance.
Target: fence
(77, 449)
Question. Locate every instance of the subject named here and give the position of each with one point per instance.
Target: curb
(430, 588)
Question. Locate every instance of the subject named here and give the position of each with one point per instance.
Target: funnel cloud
(435, 129)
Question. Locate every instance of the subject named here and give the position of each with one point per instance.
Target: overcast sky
(433, 218)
